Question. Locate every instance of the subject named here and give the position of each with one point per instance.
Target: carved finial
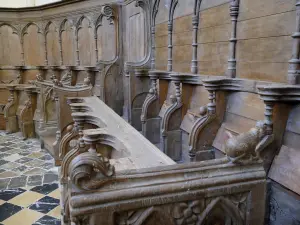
(39, 77)
(203, 110)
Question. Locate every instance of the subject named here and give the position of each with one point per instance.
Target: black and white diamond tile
(37, 206)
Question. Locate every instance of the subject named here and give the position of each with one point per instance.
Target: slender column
(22, 52)
(61, 52)
(234, 12)
(211, 106)
(269, 106)
(46, 54)
(294, 63)
(96, 45)
(194, 66)
(77, 50)
(170, 46)
(178, 92)
(153, 47)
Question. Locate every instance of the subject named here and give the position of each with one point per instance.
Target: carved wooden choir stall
(160, 112)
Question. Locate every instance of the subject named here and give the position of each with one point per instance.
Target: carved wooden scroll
(64, 115)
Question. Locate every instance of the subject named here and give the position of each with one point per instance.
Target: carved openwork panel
(227, 210)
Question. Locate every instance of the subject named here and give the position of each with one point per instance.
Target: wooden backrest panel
(242, 112)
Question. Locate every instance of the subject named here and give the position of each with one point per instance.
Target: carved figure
(247, 146)
(39, 77)
(66, 78)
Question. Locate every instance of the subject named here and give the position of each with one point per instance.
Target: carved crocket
(247, 146)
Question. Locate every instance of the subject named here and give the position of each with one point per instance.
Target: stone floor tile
(2, 155)
(24, 153)
(24, 160)
(7, 210)
(50, 178)
(20, 169)
(17, 182)
(47, 220)
(12, 151)
(8, 194)
(4, 183)
(46, 157)
(45, 189)
(35, 163)
(35, 180)
(55, 212)
(45, 204)
(2, 162)
(10, 165)
(36, 155)
(47, 165)
(35, 171)
(55, 194)
(13, 157)
(24, 217)
(8, 174)
(25, 199)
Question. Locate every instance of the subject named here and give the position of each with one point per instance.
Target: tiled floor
(37, 206)
(24, 163)
(29, 191)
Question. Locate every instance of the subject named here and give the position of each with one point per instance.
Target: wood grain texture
(285, 168)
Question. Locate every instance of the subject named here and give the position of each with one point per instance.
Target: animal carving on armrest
(90, 171)
(247, 147)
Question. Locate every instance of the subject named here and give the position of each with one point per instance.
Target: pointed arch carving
(11, 53)
(66, 53)
(52, 54)
(146, 7)
(227, 206)
(15, 30)
(84, 41)
(33, 45)
(109, 13)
